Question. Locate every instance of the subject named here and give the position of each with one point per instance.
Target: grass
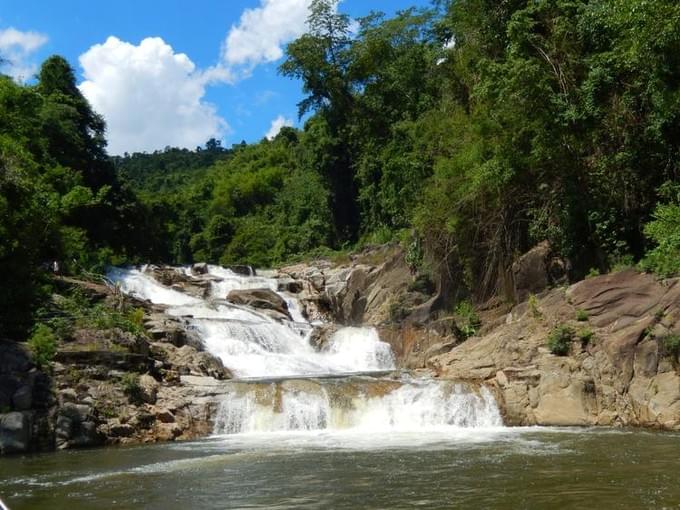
(43, 345)
(581, 315)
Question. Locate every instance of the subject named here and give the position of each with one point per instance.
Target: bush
(671, 345)
(664, 231)
(43, 345)
(559, 340)
(585, 335)
(581, 315)
(467, 320)
(131, 387)
(534, 309)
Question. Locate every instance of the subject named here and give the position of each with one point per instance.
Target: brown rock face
(264, 299)
(621, 375)
(536, 270)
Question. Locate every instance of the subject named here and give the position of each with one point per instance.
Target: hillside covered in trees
(470, 132)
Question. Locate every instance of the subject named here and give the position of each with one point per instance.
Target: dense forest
(469, 132)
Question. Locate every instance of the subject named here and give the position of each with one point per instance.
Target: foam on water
(411, 407)
(250, 343)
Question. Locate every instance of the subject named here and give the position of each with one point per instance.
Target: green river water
(501, 468)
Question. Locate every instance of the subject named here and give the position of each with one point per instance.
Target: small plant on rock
(131, 387)
(43, 345)
(585, 335)
(671, 345)
(533, 307)
(581, 315)
(468, 321)
(559, 340)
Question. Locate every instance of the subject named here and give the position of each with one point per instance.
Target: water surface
(494, 468)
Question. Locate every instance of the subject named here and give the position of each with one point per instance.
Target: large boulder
(536, 270)
(265, 299)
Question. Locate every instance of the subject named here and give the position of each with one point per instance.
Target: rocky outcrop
(110, 386)
(262, 299)
(618, 370)
(359, 292)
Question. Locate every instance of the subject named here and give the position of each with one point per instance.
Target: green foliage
(664, 232)
(130, 384)
(671, 345)
(581, 315)
(534, 307)
(585, 335)
(559, 340)
(43, 345)
(467, 320)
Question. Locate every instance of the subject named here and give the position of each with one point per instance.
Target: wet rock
(321, 335)
(259, 298)
(199, 268)
(242, 270)
(15, 432)
(22, 400)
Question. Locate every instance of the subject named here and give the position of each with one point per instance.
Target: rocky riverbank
(617, 363)
(107, 385)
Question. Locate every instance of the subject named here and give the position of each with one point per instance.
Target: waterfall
(406, 407)
(298, 394)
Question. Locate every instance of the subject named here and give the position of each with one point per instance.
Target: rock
(148, 387)
(199, 268)
(321, 335)
(121, 430)
(259, 298)
(242, 270)
(620, 377)
(22, 400)
(15, 432)
(536, 270)
(165, 416)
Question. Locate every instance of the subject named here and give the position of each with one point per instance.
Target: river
(495, 469)
(339, 427)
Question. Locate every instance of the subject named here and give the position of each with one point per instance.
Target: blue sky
(225, 83)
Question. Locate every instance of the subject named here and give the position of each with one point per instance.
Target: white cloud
(150, 96)
(278, 123)
(262, 32)
(16, 47)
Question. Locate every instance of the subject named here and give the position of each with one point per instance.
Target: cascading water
(298, 395)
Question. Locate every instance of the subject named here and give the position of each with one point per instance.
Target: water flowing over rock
(295, 375)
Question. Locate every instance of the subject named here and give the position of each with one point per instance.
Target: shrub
(581, 315)
(534, 309)
(585, 335)
(131, 387)
(468, 321)
(43, 345)
(664, 231)
(559, 340)
(593, 273)
(671, 345)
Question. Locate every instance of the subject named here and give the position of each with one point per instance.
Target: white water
(250, 343)
(253, 345)
(412, 407)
